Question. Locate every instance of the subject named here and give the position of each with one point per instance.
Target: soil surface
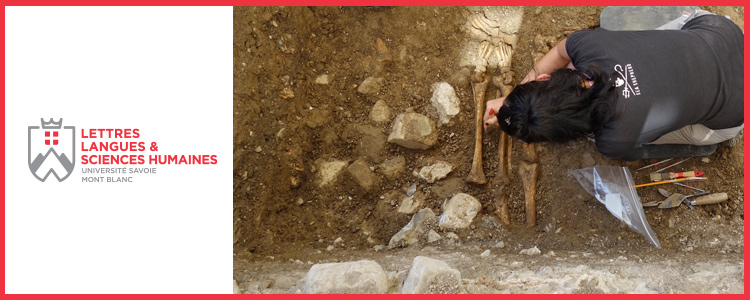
(286, 124)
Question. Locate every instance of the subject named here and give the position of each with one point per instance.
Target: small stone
(359, 277)
(370, 85)
(317, 118)
(433, 236)
(531, 251)
(550, 254)
(414, 131)
(412, 188)
(329, 248)
(393, 168)
(431, 276)
(706, 160)
(415, 232)
(361, 173)
(380, 112)
(435, 171)
(286, 93)
(411, 204)
(329, 171)
(486, 253)
(587, 160)
(294, 181)
(451, 236)
(378, 248)
(459, 211)
(253, 287)
(446, 102)
(300, 201)
(258, 149)
(322, 79)
(500, 244)
(383, 53)
(338, 240)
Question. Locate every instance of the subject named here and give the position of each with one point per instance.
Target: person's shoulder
(588, 35)
(711, 21)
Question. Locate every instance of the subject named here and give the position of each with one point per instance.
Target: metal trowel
(683, 199)
(672, 201)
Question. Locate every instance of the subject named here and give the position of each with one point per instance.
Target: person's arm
(556, 58)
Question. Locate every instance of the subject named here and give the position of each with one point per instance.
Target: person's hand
(494, 106)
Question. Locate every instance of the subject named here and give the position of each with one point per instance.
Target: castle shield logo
(51, 150)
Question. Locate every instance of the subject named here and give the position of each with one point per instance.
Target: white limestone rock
(446, 102)
(393, 168)
(433, 236)
(531, 251)
(329, 171)
(322, 79)
(370, 85)
(380, 112)
(411, 204)
(416, 231)
(359, 277)
(414, 131)
(431, 276)
(434, 172)
(459, 211)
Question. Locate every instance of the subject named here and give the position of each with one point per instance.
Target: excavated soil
(285, 124)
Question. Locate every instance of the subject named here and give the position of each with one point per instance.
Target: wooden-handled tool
(673, 175)
(710, 199)
(670, 181)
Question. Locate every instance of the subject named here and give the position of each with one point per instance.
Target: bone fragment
(529, 173)
(529, 153)
(476, 175)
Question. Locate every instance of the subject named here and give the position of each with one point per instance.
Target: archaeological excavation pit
(350, 123)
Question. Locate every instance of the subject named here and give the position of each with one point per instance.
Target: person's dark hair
(559, 109)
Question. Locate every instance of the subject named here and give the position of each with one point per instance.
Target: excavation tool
(687, 186)
(669, 166)
(710, 199)
(672, 180)
(654, 164)
(479, 86)
(673, 175)
(674, 199)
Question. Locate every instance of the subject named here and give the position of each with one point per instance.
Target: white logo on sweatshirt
(627, 78)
